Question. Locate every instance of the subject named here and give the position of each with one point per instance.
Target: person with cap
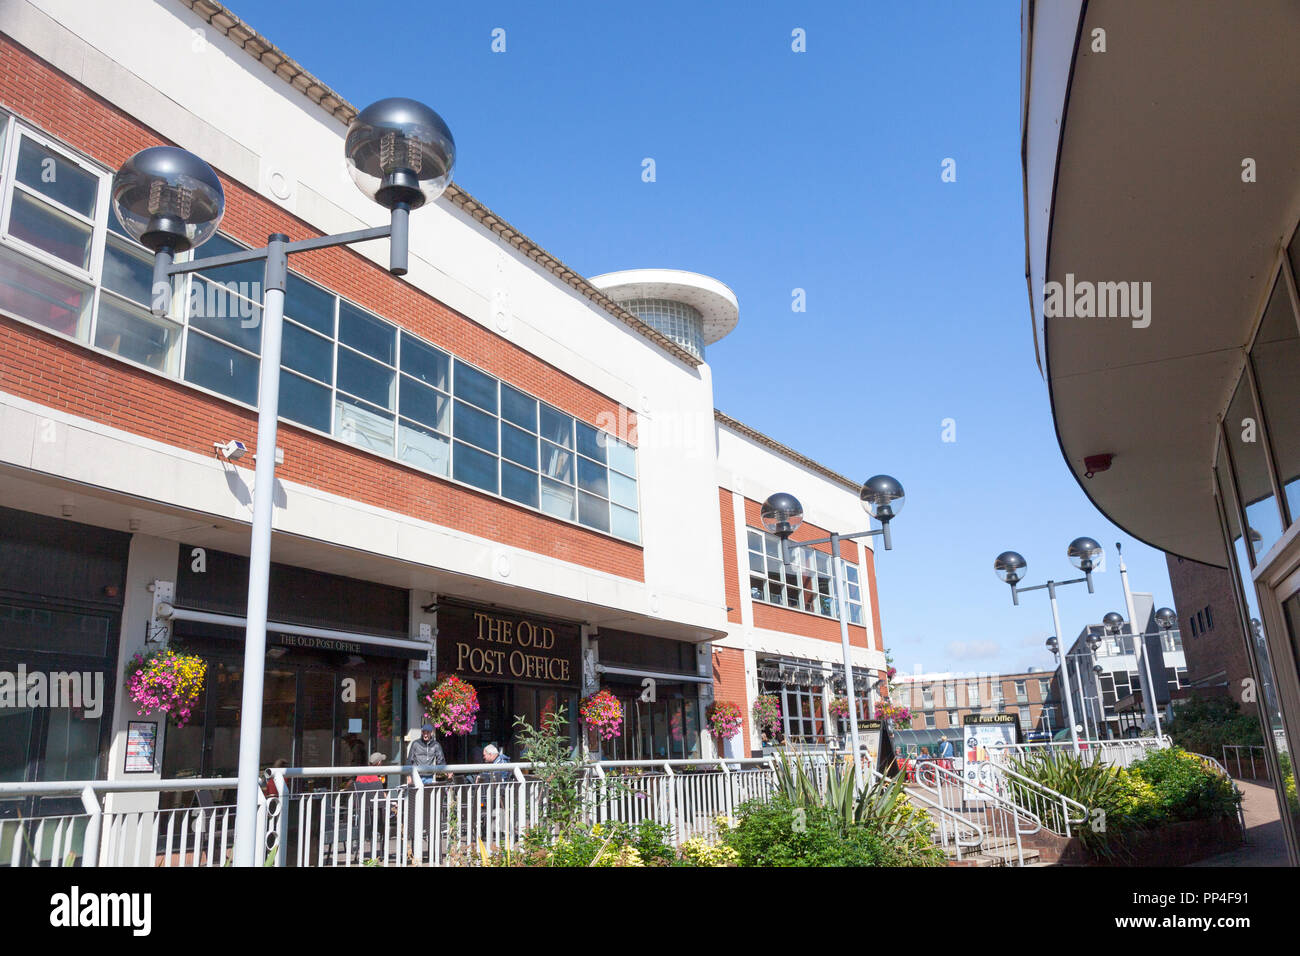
(425, 751)
(376, 760)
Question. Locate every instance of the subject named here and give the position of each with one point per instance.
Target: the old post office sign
(488, 644)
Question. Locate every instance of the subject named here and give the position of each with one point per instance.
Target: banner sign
(983, 736)
(485, 643)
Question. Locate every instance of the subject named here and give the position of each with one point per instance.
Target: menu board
(983, 736)
(141, 746)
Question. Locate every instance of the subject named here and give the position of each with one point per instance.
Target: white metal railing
(1058, 813)
(1002, 823)
(1113, 753)
(1235, 759)
(198, 835)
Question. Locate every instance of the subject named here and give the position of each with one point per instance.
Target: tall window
(67, 265)
(973, 694)
(1044, 688)
(806, 585)
(1021, 694)
(950, 695)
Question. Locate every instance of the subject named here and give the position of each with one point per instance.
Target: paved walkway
(1265, 845)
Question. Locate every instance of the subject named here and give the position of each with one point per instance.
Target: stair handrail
(947, 816)
(1051, 797)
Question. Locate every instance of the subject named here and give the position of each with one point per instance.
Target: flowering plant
(603, 712)
(767, 714)
(892, 712)
(725, 718)
(167, 681)
(840, 708)
(451, 706)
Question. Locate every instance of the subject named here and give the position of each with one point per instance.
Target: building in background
(1163, 297)
(941, 701)
(491, 467)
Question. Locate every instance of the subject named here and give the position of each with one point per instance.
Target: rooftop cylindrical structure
(691, 309)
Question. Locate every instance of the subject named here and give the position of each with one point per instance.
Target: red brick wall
(806, 624)
(1221, 649)
(46, 369)
(730, 567)
(729, 683)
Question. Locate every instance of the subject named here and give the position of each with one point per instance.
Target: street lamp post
(399, 153)
(782, 514)
(1166, 619)
(1011, 566)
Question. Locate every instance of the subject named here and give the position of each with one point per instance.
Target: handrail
(1017, 811)
(958, 821)
(995, 808)
(1052, 795)
(1212, 764)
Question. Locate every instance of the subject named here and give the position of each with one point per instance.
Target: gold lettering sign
(498, 647)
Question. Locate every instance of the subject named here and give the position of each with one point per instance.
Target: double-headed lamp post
(882, 497)
(399, 153)
(1166, 618)
(1010, 566)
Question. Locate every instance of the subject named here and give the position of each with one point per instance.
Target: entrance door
(492, 727)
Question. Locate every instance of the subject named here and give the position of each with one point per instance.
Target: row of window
(807, 585)
(927, 701)
(66, 264)
(1202, 621)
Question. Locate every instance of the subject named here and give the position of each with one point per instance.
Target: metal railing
(1002, 823)
(1113, 753)
(1057, 812)
(1235, 760)
(201, 835)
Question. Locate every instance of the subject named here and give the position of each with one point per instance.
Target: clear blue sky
(779, 170)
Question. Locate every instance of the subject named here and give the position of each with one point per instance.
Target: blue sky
(778, 170)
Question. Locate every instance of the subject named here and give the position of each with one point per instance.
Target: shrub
(1288, 781)
(1205, 724)
(780, 833)
(699, 852)
(1185, 788)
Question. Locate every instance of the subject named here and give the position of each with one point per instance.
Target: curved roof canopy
(1133, 161)
(714, 301)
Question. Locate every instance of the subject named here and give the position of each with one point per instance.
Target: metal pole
(259, 560)
(1146, 664)
(1148, 706)
(1065, 665)
(841, 598)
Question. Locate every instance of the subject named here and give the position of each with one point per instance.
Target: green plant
(1185, 788)
(779, 833)
(560, 774)
(1288, 781)
(1206, 724)
(699, 852)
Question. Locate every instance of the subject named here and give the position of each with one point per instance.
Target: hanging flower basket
(725, 718)
(893, 713)
(451, 705)
(840, 708)
(767, 715)
(603, 713)
(166, 681)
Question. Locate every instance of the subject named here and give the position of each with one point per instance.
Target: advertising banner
(983, 736)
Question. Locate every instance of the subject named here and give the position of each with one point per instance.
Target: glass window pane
(135, 334)
(475, 426)
(625, 523)
(557, 426)
(1252, 471)
(557, 499)
(215, 309)
(128, 270)
(519, 446)
(557, 463)
(855, 613)
(309, 304)
(246, 276)
(366, 333)
(519, 484)
(221, 368)
(475, 386)
(591, 442)
(421, 360)
(50, 174)
(50, 229)
(756, 562)
(366, 379)
(622, 489)
(304, 402)
(1276, 357)
(307, 353)
(593, 511)
(363, 426)
(518, 408)
(593, 477)
(475, 468)
(423, 448)
(44, 296)
(425, 405)
(755, 540)
(621, 456)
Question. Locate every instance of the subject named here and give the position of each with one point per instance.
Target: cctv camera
(232, 450)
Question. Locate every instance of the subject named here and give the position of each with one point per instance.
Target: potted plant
(725, 718)
(451, 705)
(602, 713)
(840, 708)
(168, 681)
(767, 715)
